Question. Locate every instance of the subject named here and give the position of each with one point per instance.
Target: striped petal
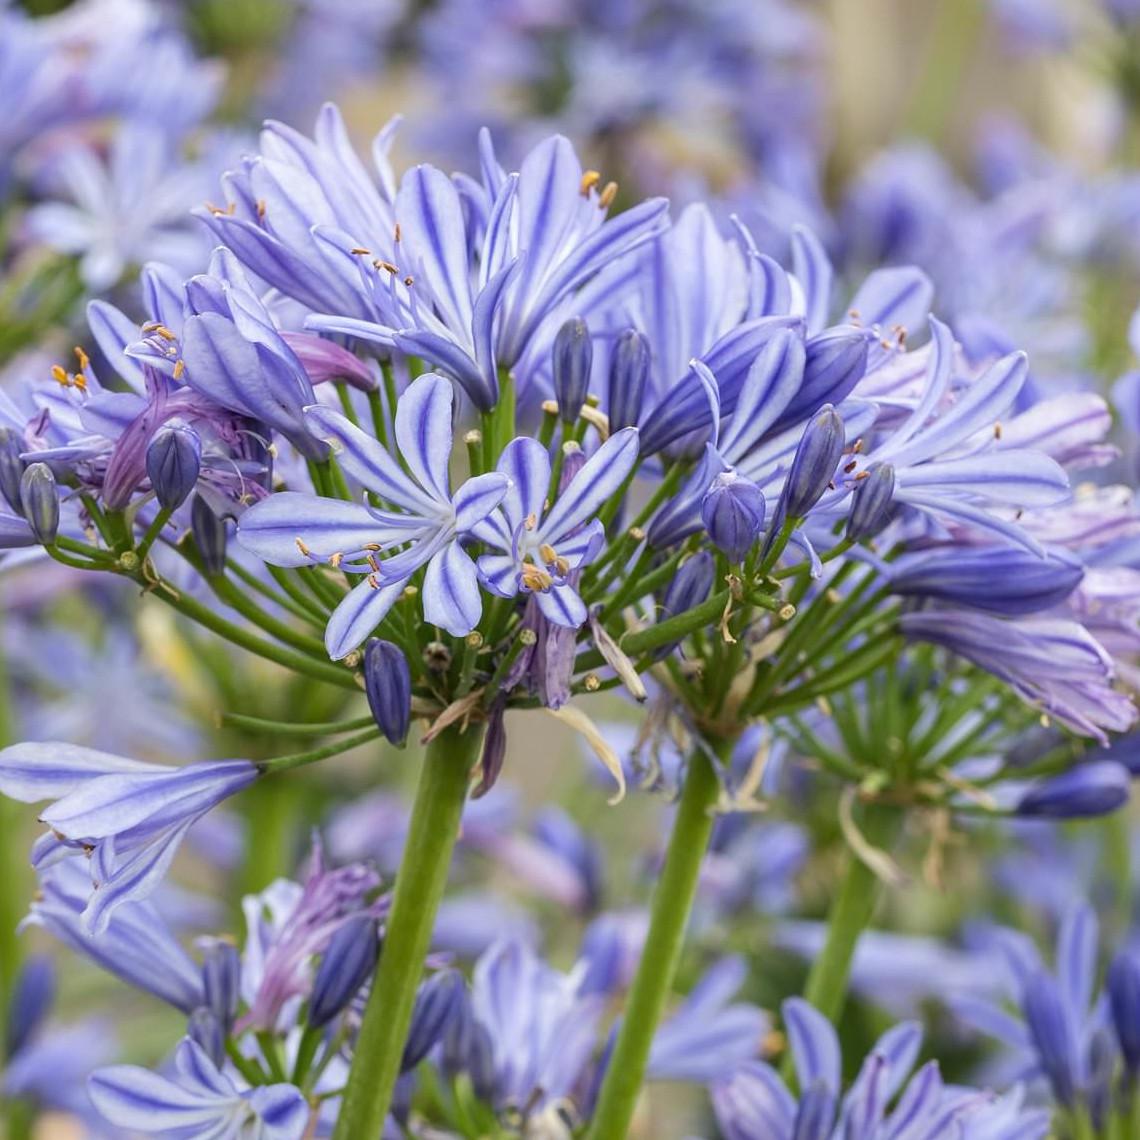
(601, 477)
(451, 591)
(364, 608)
(815, 1048)
(423, 432)
(527, 464)
(49, 770)
(271, 529)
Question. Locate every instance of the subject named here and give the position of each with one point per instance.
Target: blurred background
(992, 142)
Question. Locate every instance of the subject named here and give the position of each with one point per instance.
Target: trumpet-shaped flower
(196, 1100)
(542, 548)
(422, 527)
(128, 817)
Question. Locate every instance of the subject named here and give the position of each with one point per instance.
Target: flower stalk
(420, 883)
(672, 902)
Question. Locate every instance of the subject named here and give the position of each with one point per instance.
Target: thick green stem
(851, 912)
(672, 901)
(420, 883)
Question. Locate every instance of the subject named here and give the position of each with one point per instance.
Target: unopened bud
(494, 750)
(1123, 984)
(733, 513)
(11, 468)
(221, 981)
(439, 1001)
(173, 461)
(388, 686)
(871, 502)
(210, 536)
(629, 371)
(32, 995)
(205, 1031)
(1097, 787)
(40, 498)
(573, 356)
(691, 585)
(817, 456)
(345, 966)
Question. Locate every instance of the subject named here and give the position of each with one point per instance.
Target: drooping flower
(423, 527)
(126, 816)
(543, 547)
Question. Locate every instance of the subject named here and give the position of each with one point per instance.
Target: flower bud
(438, 1004)
(32, 994)
(173, 461)
(494, 750)
(346, 965)
(1123, 984)
(733, 513)
(40, 498)
(388, 686)
(1097, 787)
(11, 468)
(205, 1030)
(221, 981)
(467, 1048)
(210, 537)
(691, 586)
(573, 355)
(871, 502)
(629, 370)
(1051, 1031)
(817, 457)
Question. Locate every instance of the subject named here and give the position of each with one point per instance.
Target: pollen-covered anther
(396, 232)
(373, 580)
(409, 280)
(179, 369)
(303, 548)
(530, 522)
(590, 179)
(83, 358)
(336, 559)
(535, 578)
(221, 211)
(360, 251)
(553, 559)
(387, 266)
(997, 431)
(60, 376)
(607, 196)
(591, 682)
(862, 475)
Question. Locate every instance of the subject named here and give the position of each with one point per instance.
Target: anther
(590, 179)
(607, 196)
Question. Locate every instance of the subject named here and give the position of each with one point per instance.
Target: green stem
(851, 912)
(673, 898)
(420, 883)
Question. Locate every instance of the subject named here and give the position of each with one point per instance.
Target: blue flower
(197, 1099)
(128, 817)
(543, 547)
(390, 545)
(754, 1104)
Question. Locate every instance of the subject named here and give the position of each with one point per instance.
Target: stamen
(590, 179)
(179, 369)
(607, 196)
(360, 251)
(303, 548)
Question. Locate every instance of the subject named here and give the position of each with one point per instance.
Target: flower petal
(451, 591)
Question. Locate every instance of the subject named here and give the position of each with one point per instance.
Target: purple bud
(1051, 1031)
(40, 498)
(629, 370)
(439, 1001)
(11, 468)
(345, 966)
(221, 981)
(554, 829)
(32, 994)
(834, 363)
(494, 750)
(205, 1030)
(1124, 1000)
(209, 533)
(573, 460)
(733, 514)
(173, 461)
(817, 456)
(691, 585)
(573, 356)
(388, 685)
(467, 1048)
(1094, 788)
(871, 502)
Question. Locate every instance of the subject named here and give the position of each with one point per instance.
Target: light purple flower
(127, 817)
(197, 1099)
(387, 546)
(543, 547)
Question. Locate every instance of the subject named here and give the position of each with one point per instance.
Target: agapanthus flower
(197, 1099)
(542, 547)
(754, 1104)
(423, 527)
(127, 817)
